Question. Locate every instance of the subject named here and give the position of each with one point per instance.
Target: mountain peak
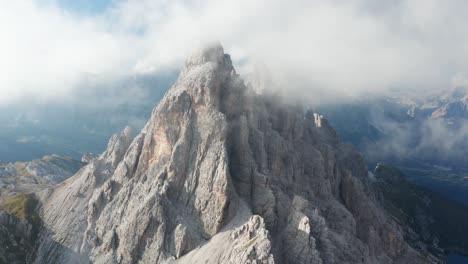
(207, 78)
(213, 52)
(221, 175)
(211, 56)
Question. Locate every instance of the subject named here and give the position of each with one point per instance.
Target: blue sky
(85, 6)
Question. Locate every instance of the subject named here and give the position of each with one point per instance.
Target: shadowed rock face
(221, 175)
(429, 219)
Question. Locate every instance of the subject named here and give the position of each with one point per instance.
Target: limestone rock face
(244, 240)
(220, 174)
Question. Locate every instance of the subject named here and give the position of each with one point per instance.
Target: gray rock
(220, 174)
(87, 158)
(20, 177)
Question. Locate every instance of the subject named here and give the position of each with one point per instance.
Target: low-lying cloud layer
(427, 140)
(341, 47)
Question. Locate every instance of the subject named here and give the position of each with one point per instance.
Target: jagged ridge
(221, 175)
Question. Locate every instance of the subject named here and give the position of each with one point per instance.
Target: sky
(85, 7)
(312, 49)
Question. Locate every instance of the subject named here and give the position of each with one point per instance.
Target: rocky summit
(220, 174)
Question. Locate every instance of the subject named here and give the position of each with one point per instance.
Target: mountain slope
(430, 218)
(220, 174)
(36, 175)
(19, 221)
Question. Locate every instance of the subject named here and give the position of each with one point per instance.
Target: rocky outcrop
(19, 228)
(36, 175)
(220, 174)
(64, 208)
(15, 239)
(244, 240)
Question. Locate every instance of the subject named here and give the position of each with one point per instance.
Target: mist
(429, 140)
(319, 50)
(386, 130)
(81, 122)
(77, 63)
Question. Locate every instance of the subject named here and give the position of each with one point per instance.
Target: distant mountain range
(21, 177)
(452, 107)
(426, 137)
(82, 121)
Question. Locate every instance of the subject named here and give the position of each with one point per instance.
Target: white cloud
(341, 47)
(44, 50)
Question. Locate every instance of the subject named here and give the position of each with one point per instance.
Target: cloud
(313, 49)
(429, 140)
(45, 50)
